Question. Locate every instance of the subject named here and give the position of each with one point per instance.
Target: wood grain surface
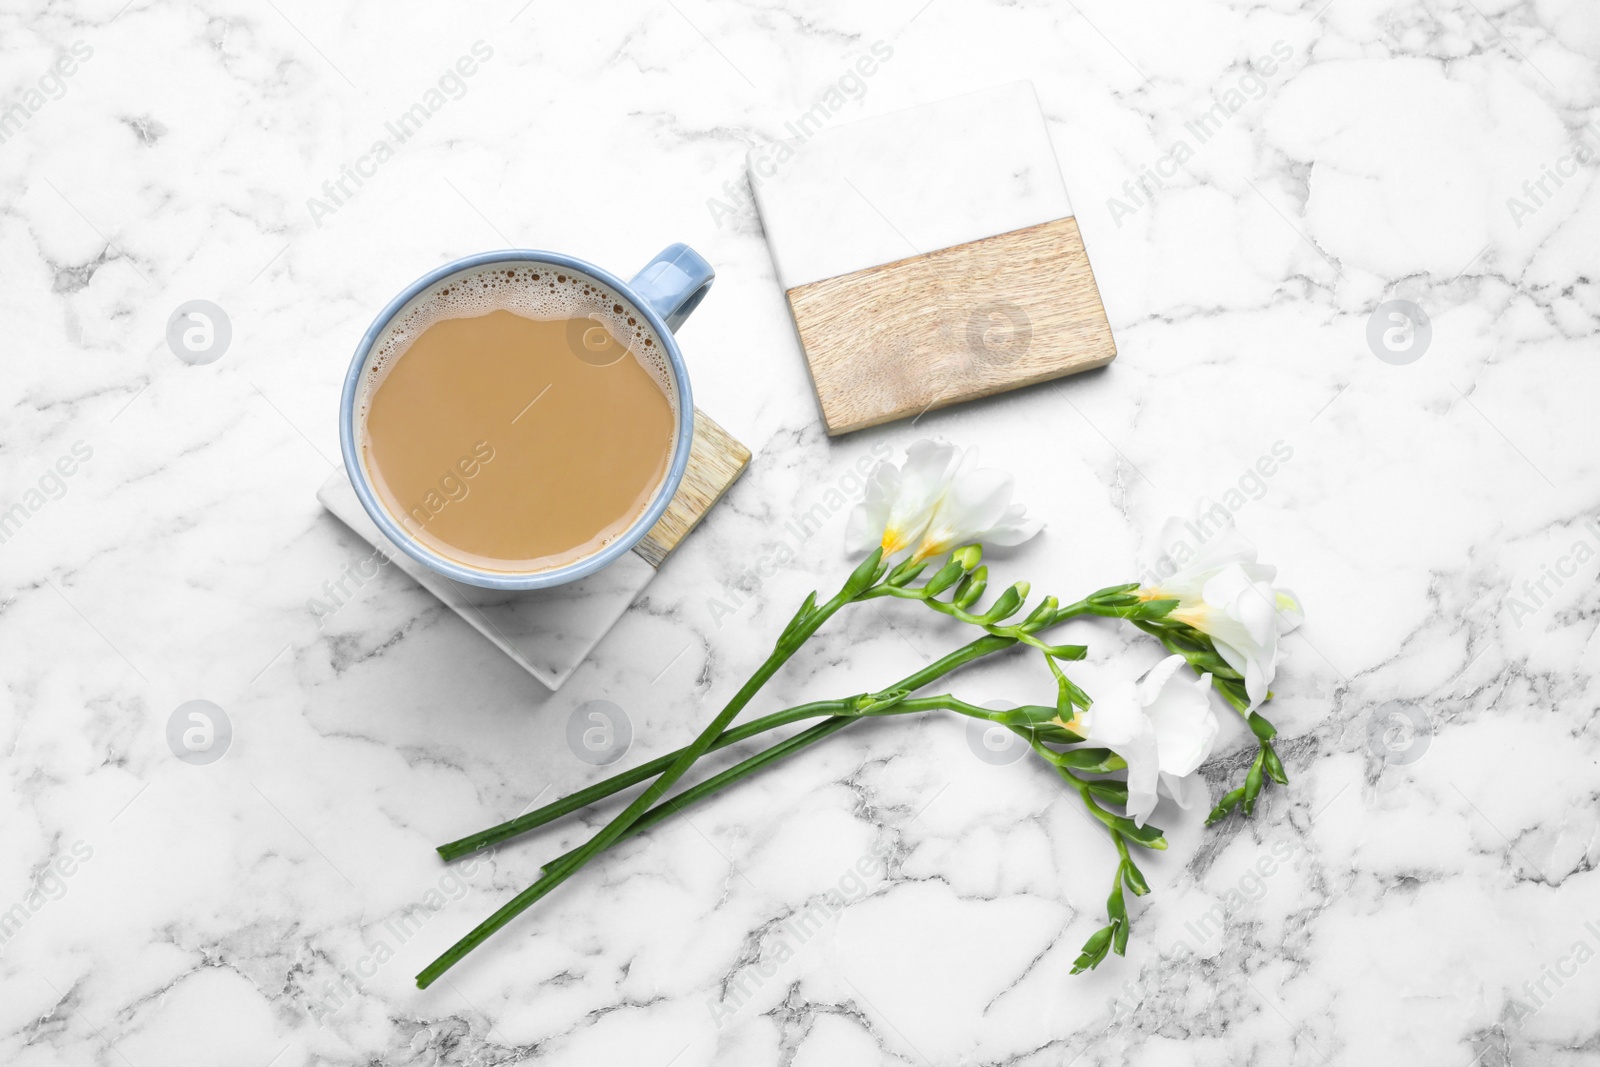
(964, 322)
(715, 462)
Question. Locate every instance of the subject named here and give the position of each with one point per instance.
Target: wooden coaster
(715, 462)
(930, 256)
(893, 341)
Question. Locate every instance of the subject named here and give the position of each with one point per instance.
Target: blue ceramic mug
(664, 293)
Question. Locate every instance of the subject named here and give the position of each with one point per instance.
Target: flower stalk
(805, 623)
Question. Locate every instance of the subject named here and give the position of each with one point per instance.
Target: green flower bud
(905, 571)
(1046, 607)
(1007, 604)
(1094, 949)
(947, 576)
(1119, 944)
(967, 556)
(865, 575)
(1115, 907)
(979, 580)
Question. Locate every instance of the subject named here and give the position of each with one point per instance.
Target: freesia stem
(799, 633)
(788, 747)
(618, 782)
(973, 650)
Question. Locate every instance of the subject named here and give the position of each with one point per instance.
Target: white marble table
(1438, 906)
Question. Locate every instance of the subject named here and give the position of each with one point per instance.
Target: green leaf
(1034, 721)
(1147, 835)
(1274, 766)
(1068, 690)
(864, 576)
(1196, 648)
(1068, 695)
(1154, 609)
(1053, 734)
(1091, 760)
(877, 702)
(1027, 715)
(1218, 667)
(1109, 789)
(800, 616)
(943, 579)
(1208, 661)
(1232, 691)
(979, 581)
(1063, 694)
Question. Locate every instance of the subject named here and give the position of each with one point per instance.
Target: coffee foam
(533, 290)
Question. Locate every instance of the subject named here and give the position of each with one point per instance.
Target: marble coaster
(549, 632)
(930, 256)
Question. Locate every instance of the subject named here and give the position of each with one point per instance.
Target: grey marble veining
(1256, 185)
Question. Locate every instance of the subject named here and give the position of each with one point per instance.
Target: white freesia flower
(939, 500)
(900, 501)
(1163, 726)
(1223, 592)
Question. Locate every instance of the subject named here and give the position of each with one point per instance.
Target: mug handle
(674, 283)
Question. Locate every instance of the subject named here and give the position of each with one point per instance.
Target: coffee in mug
(517, 417)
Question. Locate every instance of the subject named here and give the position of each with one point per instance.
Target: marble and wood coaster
(551, 631)
(930, 256)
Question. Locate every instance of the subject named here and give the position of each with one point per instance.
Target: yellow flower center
(1074, 724)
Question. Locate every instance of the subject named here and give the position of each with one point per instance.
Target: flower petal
(1117, 722)
(1205, 543)
(1115, 719)
(1013, 528)
(1256, 609)
(1187, 789)
(1230, 655)
(1257, 679)
(864, 529)
(1185, 725)
(929, 467)
(1290, 612)
(975, 501)
(1223, 592)
(1144, 774)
